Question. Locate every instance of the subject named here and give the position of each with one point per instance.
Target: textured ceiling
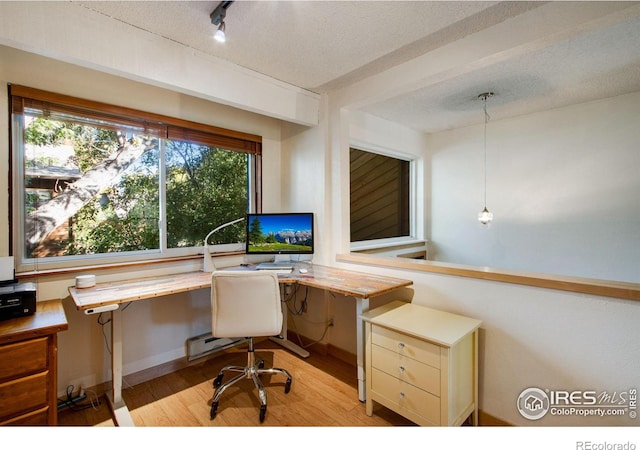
(322, 46)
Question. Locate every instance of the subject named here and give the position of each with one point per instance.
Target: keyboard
(279, 267)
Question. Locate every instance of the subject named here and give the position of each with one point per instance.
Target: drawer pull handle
(401, 369)
(400, 345)
(401, 395)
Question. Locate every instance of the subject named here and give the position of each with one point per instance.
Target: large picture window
(96, 181)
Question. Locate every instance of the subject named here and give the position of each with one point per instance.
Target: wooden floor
(323, 393)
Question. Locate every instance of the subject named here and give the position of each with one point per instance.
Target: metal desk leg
(362, 306)
(282, 339)
(121, 415)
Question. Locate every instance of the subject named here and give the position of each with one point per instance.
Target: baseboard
(308, 344)
(342, 355)
(487, 420)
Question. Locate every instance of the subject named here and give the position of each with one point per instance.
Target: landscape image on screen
(280, 233)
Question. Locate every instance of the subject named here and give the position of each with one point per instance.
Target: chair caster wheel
(217, 382)
(287, 386)
(214, 410)
(263, 412)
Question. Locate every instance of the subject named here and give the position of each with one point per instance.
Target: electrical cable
(105, 322)
(297, 312)
(74, 404)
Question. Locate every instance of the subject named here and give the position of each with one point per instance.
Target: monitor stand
(281, 263)
(282, 259)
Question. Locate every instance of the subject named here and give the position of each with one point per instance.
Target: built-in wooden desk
(358, 285)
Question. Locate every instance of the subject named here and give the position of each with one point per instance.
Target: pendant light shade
(485, 216)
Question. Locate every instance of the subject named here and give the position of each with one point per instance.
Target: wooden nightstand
(422, 363)
(28, 366)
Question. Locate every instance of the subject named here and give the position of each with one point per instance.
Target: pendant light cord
(486, 119)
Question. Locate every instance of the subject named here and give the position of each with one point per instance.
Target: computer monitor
(279, 234)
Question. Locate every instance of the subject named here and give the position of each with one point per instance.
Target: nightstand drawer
(405, 396)
(23, 358)
(23, 394)
(406, 369)
(406, 345)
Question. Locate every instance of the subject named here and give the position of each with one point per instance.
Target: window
(380, 197)
(98, 181)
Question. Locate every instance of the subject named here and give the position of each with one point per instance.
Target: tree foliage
(205, 187)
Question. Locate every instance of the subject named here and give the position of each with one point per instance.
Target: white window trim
(414, 235)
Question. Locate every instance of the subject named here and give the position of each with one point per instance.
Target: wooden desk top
(348, 282)
(345, 282)
(49, 318)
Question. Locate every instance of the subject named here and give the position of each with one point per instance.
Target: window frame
(170, 128)
(413, 237)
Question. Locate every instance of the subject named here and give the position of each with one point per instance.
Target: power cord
(297, 311)
(102, 322)
(74, 404)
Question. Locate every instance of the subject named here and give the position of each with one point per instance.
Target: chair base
(252, 370)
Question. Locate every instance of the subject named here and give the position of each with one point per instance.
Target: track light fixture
(217, 18)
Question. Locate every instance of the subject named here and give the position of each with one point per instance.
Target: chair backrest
(245, 304)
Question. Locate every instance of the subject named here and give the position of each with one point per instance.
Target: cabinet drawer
(23, 358)
(405, 396)
(406, 345)
(38, 417)
(406, 369)
(23, 394)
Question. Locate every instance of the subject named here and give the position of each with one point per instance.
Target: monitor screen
(280, 233)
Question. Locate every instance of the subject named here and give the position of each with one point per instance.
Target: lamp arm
(208, 265)
(206, 239)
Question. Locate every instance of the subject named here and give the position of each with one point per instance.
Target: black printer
(17, 300)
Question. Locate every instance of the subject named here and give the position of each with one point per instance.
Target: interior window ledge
(400, 248)
(592, 286)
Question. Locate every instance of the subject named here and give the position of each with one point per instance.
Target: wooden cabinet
(28, 366)
(422, 363)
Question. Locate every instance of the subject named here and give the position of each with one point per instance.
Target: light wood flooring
(323, 393)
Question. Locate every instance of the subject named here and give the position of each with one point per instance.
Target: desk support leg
(121, 415)
(282, 339)
(362, 306)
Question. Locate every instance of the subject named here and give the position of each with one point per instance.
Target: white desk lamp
(208, 265)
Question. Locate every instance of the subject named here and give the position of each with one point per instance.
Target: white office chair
(246, 304)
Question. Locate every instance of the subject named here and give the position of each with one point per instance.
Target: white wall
(563, 186)
(155, 332)
(533, 337)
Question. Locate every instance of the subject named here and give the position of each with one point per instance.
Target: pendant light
(485, 216)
